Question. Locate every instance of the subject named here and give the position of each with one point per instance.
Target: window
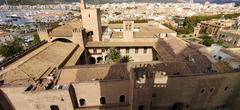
(145, 50)
(90, 33)
(130, 27)
(82, 102)
(202, 91)
(127, 50)
(103, 100)
(154, 95)
(235, 42)
(136, 50)
(94, 50)
(141, 107)
(89, 15)
(54, 107)
(220, 58)
(178, 106)
(212, 90)
(126, 27)
(226, 88)
(122, 98)
(118, 49)
(103, 50)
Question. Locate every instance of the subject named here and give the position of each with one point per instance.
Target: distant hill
(29, 2)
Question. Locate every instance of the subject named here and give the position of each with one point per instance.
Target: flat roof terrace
(146, 30)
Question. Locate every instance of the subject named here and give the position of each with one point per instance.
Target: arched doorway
(178, 106)
(1, 107)
(122, 98)
(106, 58)
(102, 100)
(141, 107)
(92, 60)
(99, 60)
(82, 102)
(54, 107)
(62, 40)
(90, 36)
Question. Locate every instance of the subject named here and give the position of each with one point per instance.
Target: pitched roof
(66, 29)
(35, 64)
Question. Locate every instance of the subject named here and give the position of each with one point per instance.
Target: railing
(20, 54)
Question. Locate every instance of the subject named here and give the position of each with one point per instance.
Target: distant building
(230, 36)
(214, 26)
(230, 55)
(179, 20)
(5, 38)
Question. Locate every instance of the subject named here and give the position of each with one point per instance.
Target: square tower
(128, 27)
(91, 21)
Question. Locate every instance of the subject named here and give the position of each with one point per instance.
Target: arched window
(178, 106)
(92, 60)
(103, 100)
(54, 107)
(82, 102)
(154, 95)
(122, 98)
(99, 60)
(226, 88)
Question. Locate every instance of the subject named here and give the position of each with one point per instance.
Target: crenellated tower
(91, 21)
(43, 34)
(82, 4)
(78, 36)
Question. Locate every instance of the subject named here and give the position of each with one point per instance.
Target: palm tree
(113, 54)
(126, 59)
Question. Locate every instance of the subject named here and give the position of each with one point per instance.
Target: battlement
(77, 30)
(42, 30)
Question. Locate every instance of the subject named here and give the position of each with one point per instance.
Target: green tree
(207, 41)
(126, 59)
(191, 22)
(9, 50)
(114, 55)
(169, 26)
(36, 39)
(220, 42)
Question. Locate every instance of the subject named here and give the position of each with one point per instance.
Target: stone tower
(91, 21)
(43, 34)
(78, 37)
(128, 27)
(83, 4)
